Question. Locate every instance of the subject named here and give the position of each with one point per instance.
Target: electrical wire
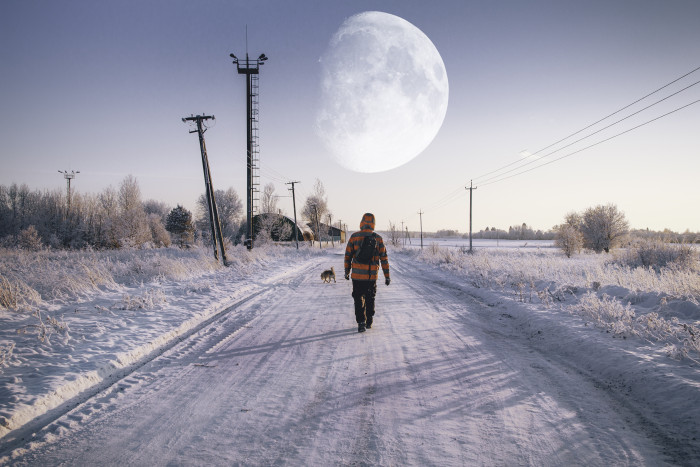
(484, 182)
(458, 193)
(620, 110)
(592, 145)
(593, 124)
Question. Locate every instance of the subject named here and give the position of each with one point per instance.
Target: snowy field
(510, 356)
(477, 243)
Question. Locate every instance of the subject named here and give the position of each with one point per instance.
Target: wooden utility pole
(421, 229)
(318, 228)
(294, 204)
(216, 233)
(330, 229)
(471, 189)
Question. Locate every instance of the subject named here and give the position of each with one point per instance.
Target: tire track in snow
(565, 400)
(59, 420)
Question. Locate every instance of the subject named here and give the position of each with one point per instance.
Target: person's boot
(361, 327)
(369, 324)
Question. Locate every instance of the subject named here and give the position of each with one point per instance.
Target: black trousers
(363, 293)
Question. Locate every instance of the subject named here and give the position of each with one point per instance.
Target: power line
(623, 108)
(590, 134)
(458, 193)
(592, 145)
(596, 122)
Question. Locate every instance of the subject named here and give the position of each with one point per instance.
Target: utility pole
(407, 236)
(318, 228)
(216, 234)
(471, 189)
(69, 176)
(404, 239)
(421, 229)
(251, 69)
(340, 228)
(294, 204)
(330, 229)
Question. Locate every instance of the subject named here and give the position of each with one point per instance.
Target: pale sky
(101, 87)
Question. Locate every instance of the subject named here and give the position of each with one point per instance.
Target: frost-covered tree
(603, 227)
(180, 226)
(132, 223)
(229, 207)
(574, 220)
(111, 219)
(160, 237)
(268, 200)
(271, 226)
(569, 239)
(157, 207)
(394, 234)
(315, 207)
(29, 239)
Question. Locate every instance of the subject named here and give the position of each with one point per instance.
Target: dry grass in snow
(658, 304)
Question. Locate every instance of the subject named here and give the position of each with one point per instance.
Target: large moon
(384, 93)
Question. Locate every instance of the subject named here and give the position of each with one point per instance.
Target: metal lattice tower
(251, 68)
(254, 144)
(68, 176)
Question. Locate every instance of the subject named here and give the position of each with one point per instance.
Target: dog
(328, 274)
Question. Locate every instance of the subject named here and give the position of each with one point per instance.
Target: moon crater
(384, 93)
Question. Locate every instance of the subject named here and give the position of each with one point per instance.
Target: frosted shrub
(28, 279)
(160, 236)
(16, 295)
(152, 299)
(29, 239)
(606, 312)
(569, 240)
(657, 254)
(501, 268)
(43, 329)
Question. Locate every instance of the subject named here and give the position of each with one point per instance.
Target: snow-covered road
(442, 378)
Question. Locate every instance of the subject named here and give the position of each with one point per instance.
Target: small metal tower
(69, 176)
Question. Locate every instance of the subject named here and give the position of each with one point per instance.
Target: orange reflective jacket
(366, 272)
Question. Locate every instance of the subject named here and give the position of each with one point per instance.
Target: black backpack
(367, 249)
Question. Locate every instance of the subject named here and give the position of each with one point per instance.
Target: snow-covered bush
(29, 239)
(657, 254)
(500, 268)
(606, 312)
(160, 236)
(17, 295)
(595, 287)
(151, 299)
(681, 340)
(569, 240)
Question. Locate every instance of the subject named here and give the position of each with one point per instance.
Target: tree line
(113, 218)
(119, 218)
(514, 232)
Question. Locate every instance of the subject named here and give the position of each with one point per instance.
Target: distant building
(329, 233)
(280, 227)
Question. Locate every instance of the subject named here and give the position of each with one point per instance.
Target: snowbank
(70, 320)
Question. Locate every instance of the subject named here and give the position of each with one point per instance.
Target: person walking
(363, 254)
